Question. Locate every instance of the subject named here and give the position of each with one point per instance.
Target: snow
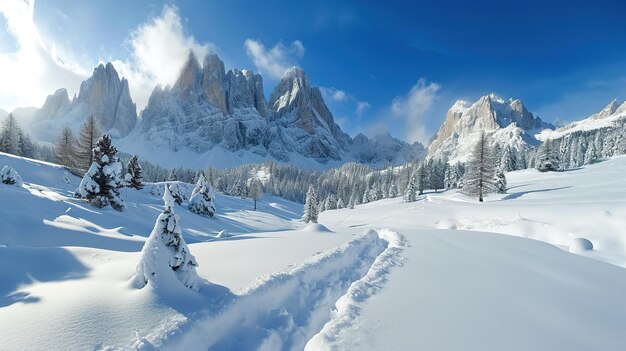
(442, 273)
(587, 124)
(579, 245)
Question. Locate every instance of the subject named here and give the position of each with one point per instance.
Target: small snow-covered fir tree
(134, 177)
(202, 198)
(177, 193)
(165, 257)
(9, 176)
(480, 170)
(310, 206)
(102, 182)
(10, 136)
(255, 190)
(501, 186)
(340, 203)
(411, 189)
(547, 159)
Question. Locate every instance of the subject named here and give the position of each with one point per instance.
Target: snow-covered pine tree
(421, 178)
(547, 159)
(411, 189)
(135, 173)
(102, 182)
(9, 176)
(65, 148)
(393, 190)
(177, 193)
(10, 136)
(340, 203)
(508, 161)
(165, 257)
(310, 206)
(501, 186)
(202, 198)
(255, 190)
(90, 133)
(480, 170)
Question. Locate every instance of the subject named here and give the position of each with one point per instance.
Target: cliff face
(103, 95)
(511, 125)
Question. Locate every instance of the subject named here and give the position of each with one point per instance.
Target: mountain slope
(600, 135)
(511, 125)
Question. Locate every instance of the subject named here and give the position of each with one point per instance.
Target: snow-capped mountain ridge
(510, 123)
(104, 95)
(209, 111)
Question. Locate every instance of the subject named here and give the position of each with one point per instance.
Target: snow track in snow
(284, 310)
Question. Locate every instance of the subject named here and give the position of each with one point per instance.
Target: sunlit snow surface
(426, 277)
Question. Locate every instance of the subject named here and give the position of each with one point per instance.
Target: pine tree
(166, 253)
(411, 189)
(481, 169)
(90, 133)
(101, 184)
(421, 178)
(202, 198)
(65, 149)
(546, 159)
(393, 190)
(310, 206)
(177, 193)
(340, 203)
(501, 186)
(10, 136)
(255, 190)
(508, 161)
(135, 173)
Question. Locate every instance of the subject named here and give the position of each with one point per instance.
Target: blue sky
(384, 65)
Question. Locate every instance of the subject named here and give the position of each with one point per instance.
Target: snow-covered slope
(104, 95)
(583, 142)
(510, 124)
(431, 280)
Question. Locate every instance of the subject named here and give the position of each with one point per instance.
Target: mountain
(104, 95)
(510, 124)
(221, 118)
(588, 140)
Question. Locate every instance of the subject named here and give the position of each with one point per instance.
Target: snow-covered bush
(101, 184)
(177, 193)
(9, 176)
(165, 257)
(202, 198)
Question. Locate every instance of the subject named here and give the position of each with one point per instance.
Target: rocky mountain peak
(190, 78)
(492, 114)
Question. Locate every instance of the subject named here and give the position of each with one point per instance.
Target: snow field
(283, 310)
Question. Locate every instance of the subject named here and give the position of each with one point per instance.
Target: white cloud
(334, 94)
(361, 107)
(412, 108)
(33, 70)
(276, 60)
(160, 48)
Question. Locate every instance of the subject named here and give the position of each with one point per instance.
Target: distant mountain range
(213, 117)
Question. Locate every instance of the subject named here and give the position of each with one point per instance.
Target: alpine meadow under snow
(168, 200)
